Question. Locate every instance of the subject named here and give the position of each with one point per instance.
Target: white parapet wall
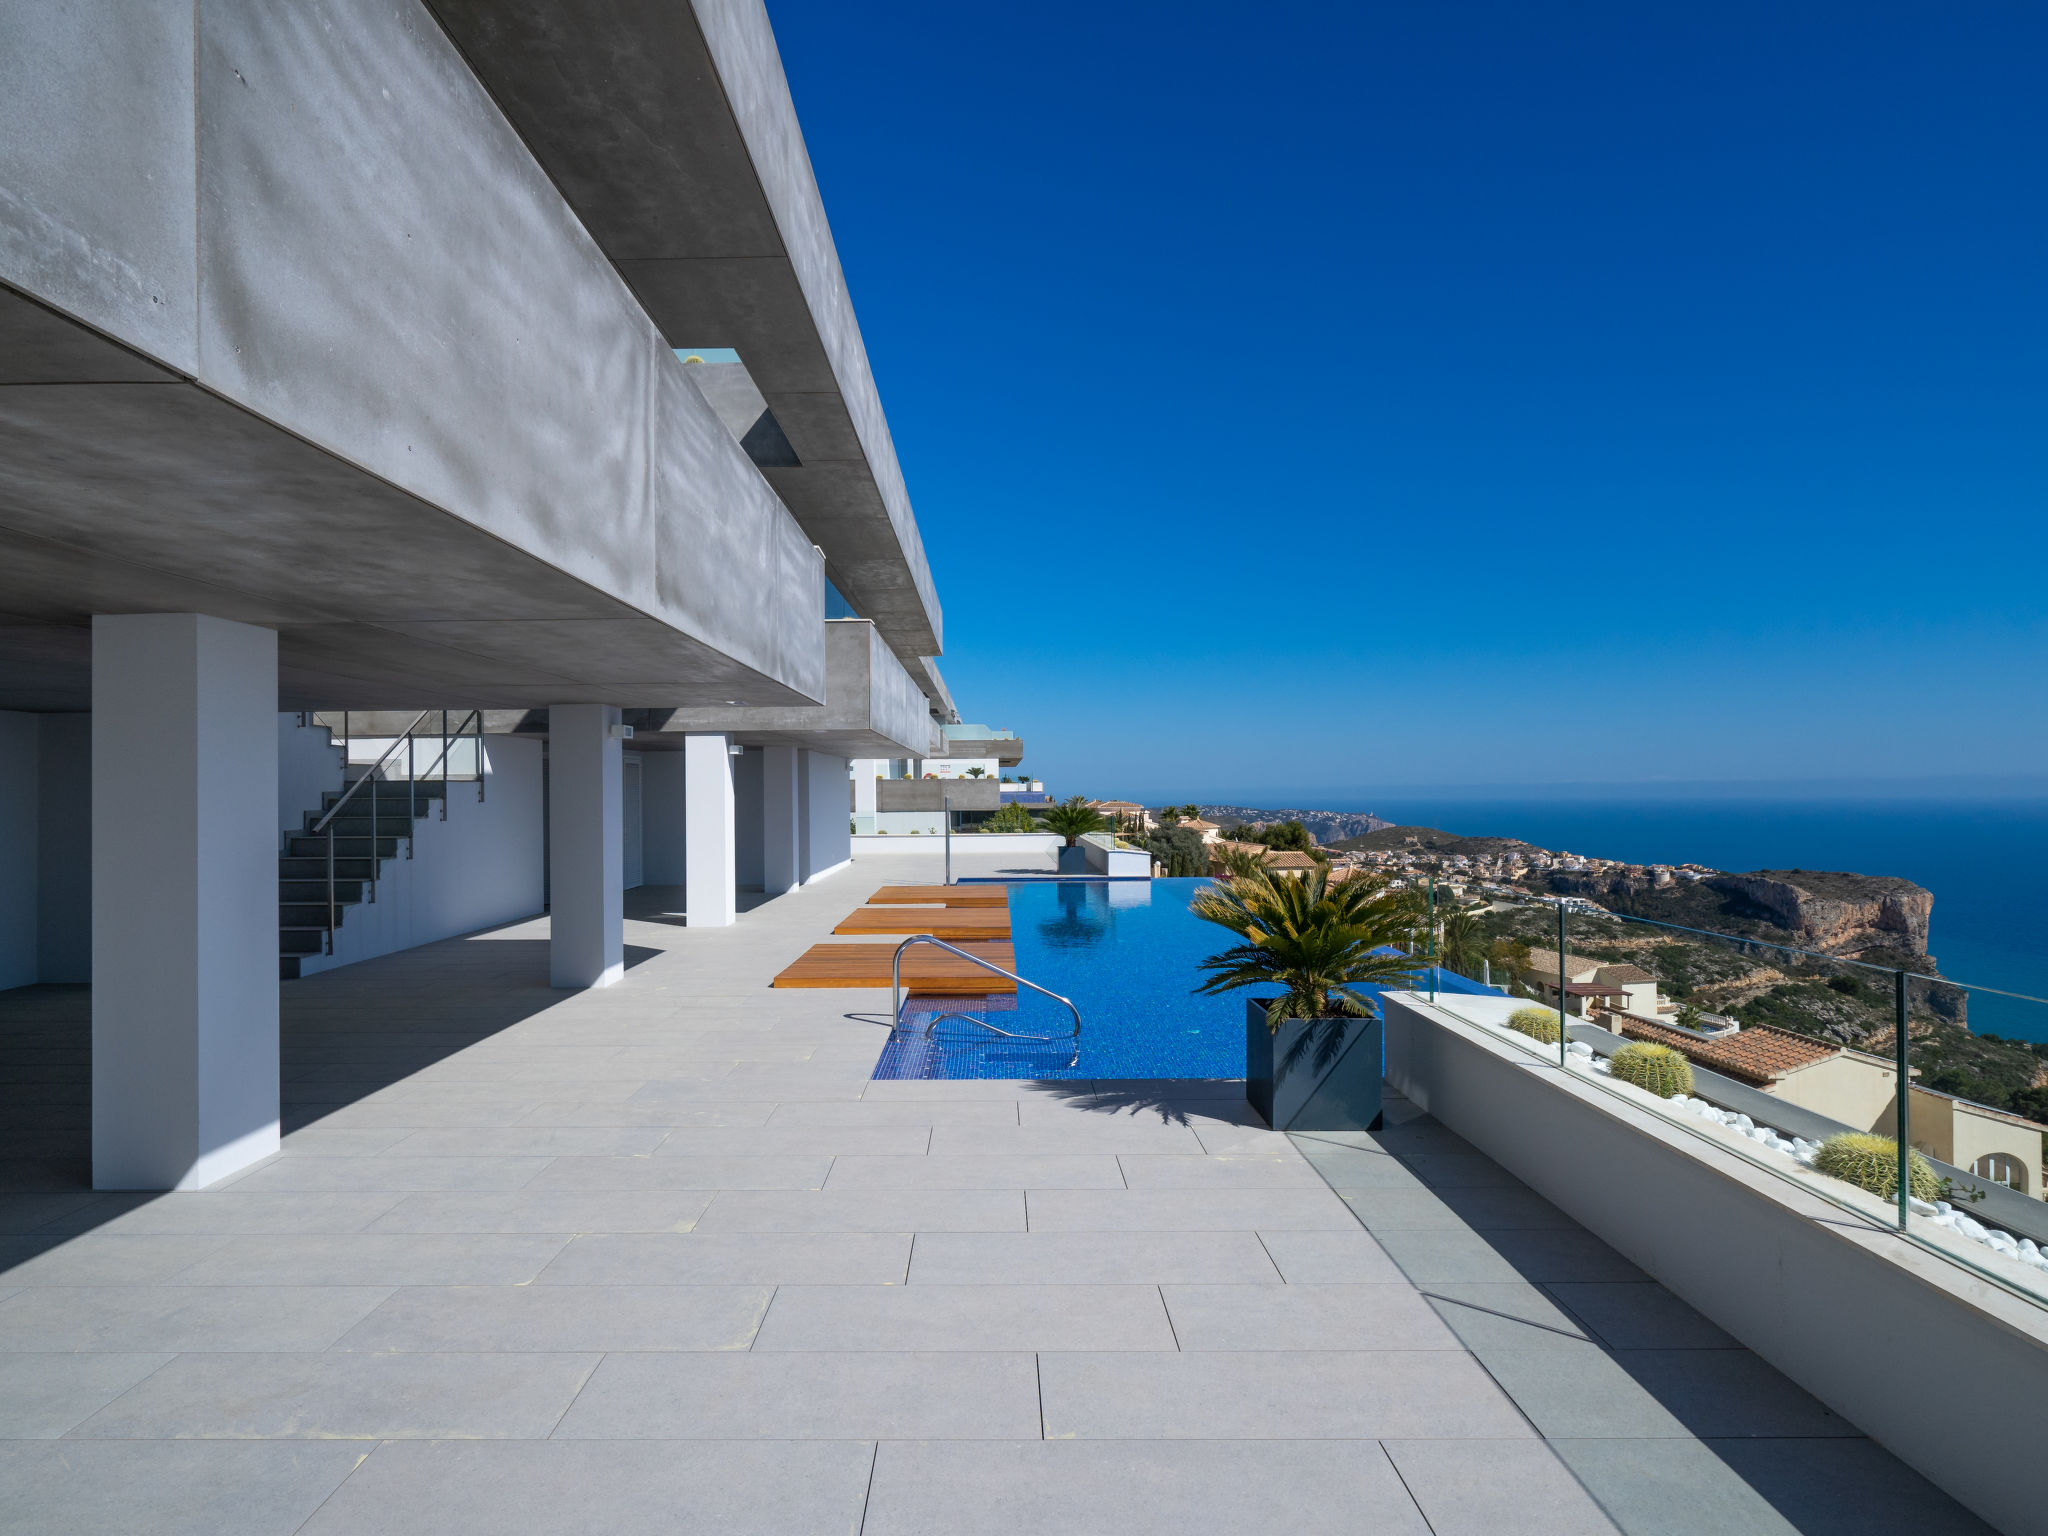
(1943, 1368)
(480, 867)
(1008, 843)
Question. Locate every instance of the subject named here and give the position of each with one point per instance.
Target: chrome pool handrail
(896, 987)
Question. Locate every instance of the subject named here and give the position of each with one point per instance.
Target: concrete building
(343, 347)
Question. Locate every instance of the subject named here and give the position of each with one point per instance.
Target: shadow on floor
(1668, 1421)
(344, 1034)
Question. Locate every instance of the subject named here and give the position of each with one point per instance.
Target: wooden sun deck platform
(950, 923)
(926, 970)
(941, 896)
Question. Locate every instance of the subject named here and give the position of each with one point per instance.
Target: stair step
(301, 846)
(287, 967)
(311, 914)
(314, 867)
(301, 941)
(315, 889)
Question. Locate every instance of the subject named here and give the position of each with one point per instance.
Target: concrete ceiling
(669, 129)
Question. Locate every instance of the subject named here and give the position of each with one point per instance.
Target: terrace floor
(663, 1257)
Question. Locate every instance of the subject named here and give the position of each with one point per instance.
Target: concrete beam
(671, 131)
(298, 333)
(872, 707)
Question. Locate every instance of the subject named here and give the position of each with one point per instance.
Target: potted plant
(1312, 1050)
(1073, 818)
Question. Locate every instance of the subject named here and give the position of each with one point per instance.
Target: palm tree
(1314, 939)
(1460, 944)
(1073, 818)
(1239, 863)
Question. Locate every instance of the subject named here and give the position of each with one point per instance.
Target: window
(836, 605)
(2002, 1168)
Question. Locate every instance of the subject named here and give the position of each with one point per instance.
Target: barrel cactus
(1872, 1163)
(1536, 1023)
(1655, 1069)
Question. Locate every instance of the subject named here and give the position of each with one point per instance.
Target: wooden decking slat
(925, 969)
(941, 896)
(949, 923)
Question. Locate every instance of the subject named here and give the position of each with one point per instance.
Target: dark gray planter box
(1313, 1074)
(1074, 861)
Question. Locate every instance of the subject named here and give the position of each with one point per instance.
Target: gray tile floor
(662, 1257)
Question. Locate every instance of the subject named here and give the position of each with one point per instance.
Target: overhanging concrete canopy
(670, 130)
(294, 331)
(872, 707)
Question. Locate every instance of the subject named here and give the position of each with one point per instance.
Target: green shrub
(1181, 850)
(1872, 1163)
(1655, 1069)
(1010, 817)
(1537, 1023)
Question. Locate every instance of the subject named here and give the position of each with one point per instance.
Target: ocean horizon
(1984, 858)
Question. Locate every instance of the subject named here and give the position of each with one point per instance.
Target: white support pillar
(710, 846)
(779, 813)
(587, 908)
(184, 899)
(804, 866)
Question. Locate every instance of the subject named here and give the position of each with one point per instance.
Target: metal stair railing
(326, 823)
(896, 988)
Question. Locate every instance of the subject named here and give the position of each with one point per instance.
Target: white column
(865, 771)
(184, 899)
(804, 866)
(779, 813)
(586, 898)
(661, 817)
(710, 847)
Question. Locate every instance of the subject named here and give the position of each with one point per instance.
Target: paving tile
(567, 1211)
(341, 1141)
(1457, 1209)
(1218, 1171)
(43, 1395)
(921, 1090)
(1153, 1090)
(1273, 1395)
(838, 1396)
(532, 1141)
(562, 1318)
(346, 1396)
(1186, 1210)
(1079, 1488)
(966, 1317)
(1840, 1488)
(403, 1117)
(714, 1115)
(1483, 1487)
(1585, 1392)
(987, 1113)
(602, 1488)
(232, 1214)
(1089, 1258)
(172, 1318)
(1340, 1256)
(1459, 1170)
(166, 1488)
(684, 1172)
(286, 1175)
(799, 1140)
(865, 1210)
(376, 1258)
(1639, 1316)
(1682, 1488)
(1429, 1255)
(24, 1213)
(1345, 1168)
(854, 1259)
(1279, 1317)
(1075, 1134)
(97, 1259)
(1488, 1315)
(1092, 1170)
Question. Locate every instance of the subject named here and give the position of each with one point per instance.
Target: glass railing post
(1434, 958)
(1905, 1109)
(1563, 1029)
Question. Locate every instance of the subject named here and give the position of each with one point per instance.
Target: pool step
(950, 923)
(926, 971)
(942, 896)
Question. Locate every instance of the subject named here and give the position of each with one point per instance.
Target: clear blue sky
(1304, 400)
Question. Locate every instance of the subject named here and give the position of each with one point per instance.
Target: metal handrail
(896, 987)
(447, 741)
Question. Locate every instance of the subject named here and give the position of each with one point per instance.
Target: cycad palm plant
(1073, 818)
(1314, 938)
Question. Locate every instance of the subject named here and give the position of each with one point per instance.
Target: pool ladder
(896, 990)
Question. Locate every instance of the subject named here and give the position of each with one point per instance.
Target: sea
(1986, 861)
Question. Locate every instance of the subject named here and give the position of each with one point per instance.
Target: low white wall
(1945, 1370)
(827, 821)
(480, 867)
(963, 842)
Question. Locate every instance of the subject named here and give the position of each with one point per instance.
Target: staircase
(302, 920)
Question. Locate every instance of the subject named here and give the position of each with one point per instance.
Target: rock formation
(1839, 914)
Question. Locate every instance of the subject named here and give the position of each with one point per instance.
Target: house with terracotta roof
(1861, 1091)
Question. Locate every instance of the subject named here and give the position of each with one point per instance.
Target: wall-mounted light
(622, 733)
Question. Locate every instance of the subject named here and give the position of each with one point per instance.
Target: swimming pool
(1128, 952)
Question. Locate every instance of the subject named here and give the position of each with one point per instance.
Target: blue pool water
(1128, 952)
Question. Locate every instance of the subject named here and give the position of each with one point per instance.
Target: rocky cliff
(1840, 914)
